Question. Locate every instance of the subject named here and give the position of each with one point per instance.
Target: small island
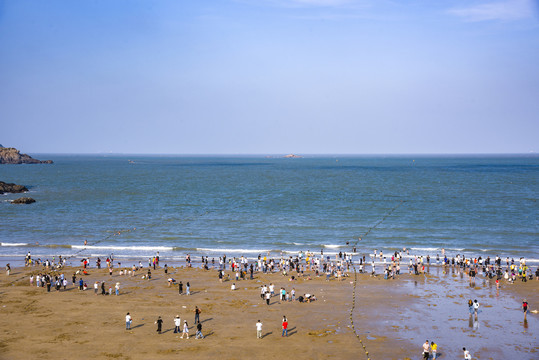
(11, 188)
(292, 156)
(23, 200)
(13, 156)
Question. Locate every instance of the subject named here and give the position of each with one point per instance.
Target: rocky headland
(13, 156)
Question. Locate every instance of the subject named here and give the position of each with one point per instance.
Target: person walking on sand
(467, 355)
(159, 323)
(426, 353)
(198, 334)
(177, 324)
(197, 312)
(259, 330)
(185, 329)
(180, 288)
(128, 321)
(525, 308)
(475, 307)
(434, 348)
(285, 327)
(188, 289)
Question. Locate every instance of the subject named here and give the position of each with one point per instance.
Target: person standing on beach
(467, 355)
(259, 330)
(198, 334)
(434, 348)
(187, 289)
(180, 288)
(159, 323)
(185, 329)
(177, 324)
(8, 269)
(426, 348)
(285, 327)
(475, 307)
(197, 312)
(525, 308)
(128, 321)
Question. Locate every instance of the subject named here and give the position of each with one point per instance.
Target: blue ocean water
(133, 206)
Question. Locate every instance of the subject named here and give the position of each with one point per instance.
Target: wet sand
(392, 317)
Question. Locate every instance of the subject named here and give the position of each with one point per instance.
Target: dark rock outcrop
(13, 156)
(23, 200)
(11, 188)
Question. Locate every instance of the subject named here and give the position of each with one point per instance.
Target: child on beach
(185, 329)
(128, 321)
(259, 330)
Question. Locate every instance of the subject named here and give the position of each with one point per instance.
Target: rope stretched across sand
(355, 277)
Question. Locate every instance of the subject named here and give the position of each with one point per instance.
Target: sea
(134, 206)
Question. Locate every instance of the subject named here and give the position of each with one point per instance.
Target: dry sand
(392, 317)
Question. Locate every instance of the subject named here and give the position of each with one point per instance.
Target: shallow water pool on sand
(434, 308)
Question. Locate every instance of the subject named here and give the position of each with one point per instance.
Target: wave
(235, 251)
(334, 246)
(132, 248)
(425, 249)
(14, 244)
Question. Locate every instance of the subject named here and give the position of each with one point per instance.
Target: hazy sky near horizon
(270, 76)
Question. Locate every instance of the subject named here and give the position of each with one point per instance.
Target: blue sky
(270, 76)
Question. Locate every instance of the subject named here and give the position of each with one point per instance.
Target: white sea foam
(333, 246)
(425, 249)
(14, 244)
(235, 251)
(130, 248)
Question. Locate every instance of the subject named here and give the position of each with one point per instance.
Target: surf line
(114, 233)
(355, 276)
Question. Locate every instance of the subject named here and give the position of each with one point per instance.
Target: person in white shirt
(259, 330)
(467, 355)
(128, 321)
(475, 307)
(177, 324)
(233, 286)
(185, 329)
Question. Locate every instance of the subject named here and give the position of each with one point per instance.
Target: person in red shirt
(285, 327)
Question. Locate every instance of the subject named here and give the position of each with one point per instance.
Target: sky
(270, 76)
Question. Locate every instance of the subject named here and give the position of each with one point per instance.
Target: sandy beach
(392, 318)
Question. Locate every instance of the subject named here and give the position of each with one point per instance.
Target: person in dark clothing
(159, 323)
